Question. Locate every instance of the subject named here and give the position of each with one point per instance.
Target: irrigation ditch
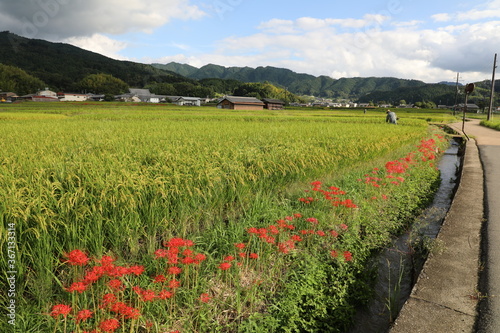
(399, 265)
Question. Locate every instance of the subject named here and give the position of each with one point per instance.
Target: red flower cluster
(178, 251)
(332, 195)
(109, 325)
(60, 310)
(284, 229)
(77, 258)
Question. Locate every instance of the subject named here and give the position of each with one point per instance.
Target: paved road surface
(488, 142)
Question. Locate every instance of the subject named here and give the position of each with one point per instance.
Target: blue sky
(425, 40)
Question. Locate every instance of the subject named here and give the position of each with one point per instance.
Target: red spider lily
(106, 261)
(269, 240)
(94, 275)
(286, 246)
(240, 246)
(136, 270)
(242, 254)
(79, 287)
(228, 258)
(297, 215)
(108, 300)
(253, 256)
(188, 261)
(148, 295)
(126, 311)
(178, 242)
(174, 270)
(343, 226)
(334, 254)
(109, 325)
(273, 230)
(174, 284)
(83, 315)
(252, 230)
(313, 220)
(165, 294)
(115, 284)
(320, 233)
(77, 258)
(347, 256)
(334, 233)
(225, 266)
(60, 310)
(205, 298)
(159, 279)
(160, 253)
(199, 257)
(296, 238)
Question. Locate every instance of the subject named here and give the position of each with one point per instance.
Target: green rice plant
(116, 179)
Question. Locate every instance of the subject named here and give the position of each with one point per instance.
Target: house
(46, 93)
(140, 95)
(7, 96)
(71, 97)
(273, 104)
(187, 101)
(41, 98)
(470, 107)
(240, 103)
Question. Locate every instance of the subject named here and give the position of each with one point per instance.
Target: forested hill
(61, 65)
(301, 84)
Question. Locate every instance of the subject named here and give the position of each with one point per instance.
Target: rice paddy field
(154, 218)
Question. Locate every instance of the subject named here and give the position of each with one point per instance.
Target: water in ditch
(396, 266)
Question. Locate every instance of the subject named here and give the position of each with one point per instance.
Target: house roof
(243, 100)
(140, 92)
(177, 98)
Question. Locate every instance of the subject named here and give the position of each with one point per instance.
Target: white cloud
(66, 18)
(401, 50)
(100, 44)
(485, 11)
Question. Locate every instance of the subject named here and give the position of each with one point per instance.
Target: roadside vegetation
(494, 124)
(156, 218)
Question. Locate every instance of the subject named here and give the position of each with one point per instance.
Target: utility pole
(456, 96)
(490, 112)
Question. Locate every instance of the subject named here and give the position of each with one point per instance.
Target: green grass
(118, 179)
(494, 124)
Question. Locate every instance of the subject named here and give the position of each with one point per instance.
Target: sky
(425, 40)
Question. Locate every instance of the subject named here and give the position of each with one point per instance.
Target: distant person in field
(391, 117)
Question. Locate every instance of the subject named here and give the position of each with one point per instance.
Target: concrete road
(488, 142)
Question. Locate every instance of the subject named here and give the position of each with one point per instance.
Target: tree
(16, 80)
(103, 84)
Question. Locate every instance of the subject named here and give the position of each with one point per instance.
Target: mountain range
(300, 84)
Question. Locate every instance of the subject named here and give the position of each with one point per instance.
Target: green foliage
(265, 90)
(102, 84)
(429, 93)
(494, 124)
(13, 79)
